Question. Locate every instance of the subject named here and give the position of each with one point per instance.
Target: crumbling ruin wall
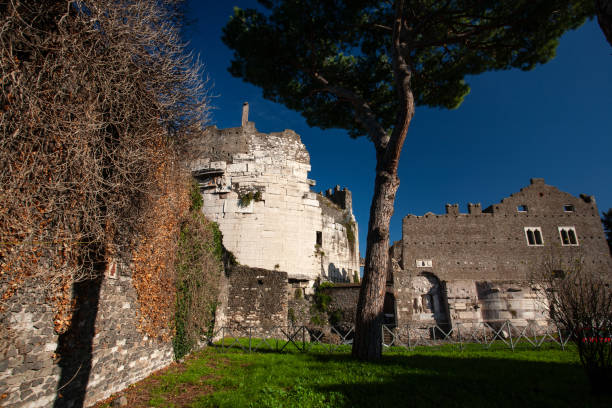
(339, 236)
(262, 300)
(256, 298)
(105, 354)
(344, 299)
(256, 187)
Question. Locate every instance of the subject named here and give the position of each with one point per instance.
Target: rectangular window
(568, 236)
(319, 238)
(534, 236)
(521, 208)
(424, 263)
(568, 208)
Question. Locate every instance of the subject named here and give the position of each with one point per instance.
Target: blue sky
(553, 122)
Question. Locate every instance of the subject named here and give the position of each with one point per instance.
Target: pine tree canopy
(313, 56)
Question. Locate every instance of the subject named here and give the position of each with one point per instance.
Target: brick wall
(492, 245)
(483, 259)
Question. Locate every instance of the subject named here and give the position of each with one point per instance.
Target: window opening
(319, 238)
(521, 208)
(572, 237)
(534, 236)
(568, 236)
(530, 237)
(564, 237)
(424, 263)
(568, 208)
(538, 237)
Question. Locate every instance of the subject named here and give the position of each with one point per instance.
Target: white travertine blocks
(312, 203)
(233, 206)
(218, 165)
(281, 229)
(236, 167)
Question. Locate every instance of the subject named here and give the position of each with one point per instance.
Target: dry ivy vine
(96, 98)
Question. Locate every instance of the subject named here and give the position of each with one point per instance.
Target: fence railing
(489, 335)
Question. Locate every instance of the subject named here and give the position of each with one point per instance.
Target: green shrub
(198, 268)
(245, 199)
(291, 315)
(196, 198)
(321, 303)
(335, 317)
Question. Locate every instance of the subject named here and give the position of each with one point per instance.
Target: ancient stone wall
(256, 298)
(344, 298)
(493, 245)
(256, 187)
(103, 353)
(339, 238)
(299, 311)
(475, 267)
(342, 198)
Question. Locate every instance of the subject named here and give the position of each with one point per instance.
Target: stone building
(475, 267)
(256, 187)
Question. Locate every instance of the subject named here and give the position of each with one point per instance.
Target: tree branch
(402, 74)
(363, 112)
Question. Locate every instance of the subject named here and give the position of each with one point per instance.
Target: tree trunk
(367, 344)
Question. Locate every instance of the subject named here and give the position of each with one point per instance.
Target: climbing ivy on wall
(319, 309)
(154, 256)
(349, 225)
(198, 272)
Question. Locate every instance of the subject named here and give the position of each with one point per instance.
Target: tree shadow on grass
(424, 381)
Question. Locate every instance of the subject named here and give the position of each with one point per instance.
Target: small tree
(579, 300)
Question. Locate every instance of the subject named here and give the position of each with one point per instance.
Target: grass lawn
(422, 378)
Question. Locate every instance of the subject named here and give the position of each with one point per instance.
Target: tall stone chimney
(245, 114)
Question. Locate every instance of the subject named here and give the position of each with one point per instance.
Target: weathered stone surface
(255, 298)
(482, 260)
(287, 230)
(30, 373)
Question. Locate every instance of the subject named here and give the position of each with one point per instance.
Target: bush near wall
(198, 271)
(320, 308)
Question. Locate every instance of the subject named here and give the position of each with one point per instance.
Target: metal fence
(485, 335)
